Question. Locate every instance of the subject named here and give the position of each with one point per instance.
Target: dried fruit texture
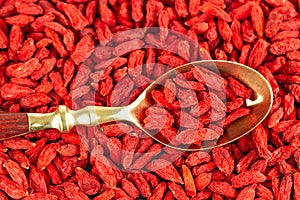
(225, 30)
(280, 154)
(48, 57)
(247, 193)
(258, 53)
(87, 182)
(197, 158)
(20, 158)
(223, 188)
(215, 10)
(16, 173)
(190, 187)
(77, 20)
(23, 70)
(239, 89)
(105, 171)
(177, 191)
(247, 178)
(244, 162)
(47, 155)
(58, 84)
(283, 46)
(130, 189)
(166, 170)
(141, 183)
(285, 188)
(296, 178)
(202, 181)
(237, 39)
(275, 19)
(42, 196)
(264, 192)
(158, 118)
(12, 189)
(73, 192)
(35, 100)
(223, 160)
(260, 138)
(182, 92)
(248, 33)
(158, 192)
(56, 42)
(107, 15)
(106, 195)
(258, 20)
(37, 182)
(4, 40)
(83, 49)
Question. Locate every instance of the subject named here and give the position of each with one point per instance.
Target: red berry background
(55, 52)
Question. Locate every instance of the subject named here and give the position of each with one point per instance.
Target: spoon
(63, 119)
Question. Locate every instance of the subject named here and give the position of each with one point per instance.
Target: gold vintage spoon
(16, 124)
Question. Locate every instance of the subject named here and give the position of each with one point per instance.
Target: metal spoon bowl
(64, 118)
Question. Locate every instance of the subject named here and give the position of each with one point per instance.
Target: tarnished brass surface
(64, 119)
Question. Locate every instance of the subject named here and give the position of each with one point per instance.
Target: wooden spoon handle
(13, 124)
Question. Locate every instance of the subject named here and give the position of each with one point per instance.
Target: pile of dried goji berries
(192, 109)
(103, 52)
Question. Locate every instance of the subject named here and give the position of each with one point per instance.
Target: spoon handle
(13, 124)
(63, 119)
